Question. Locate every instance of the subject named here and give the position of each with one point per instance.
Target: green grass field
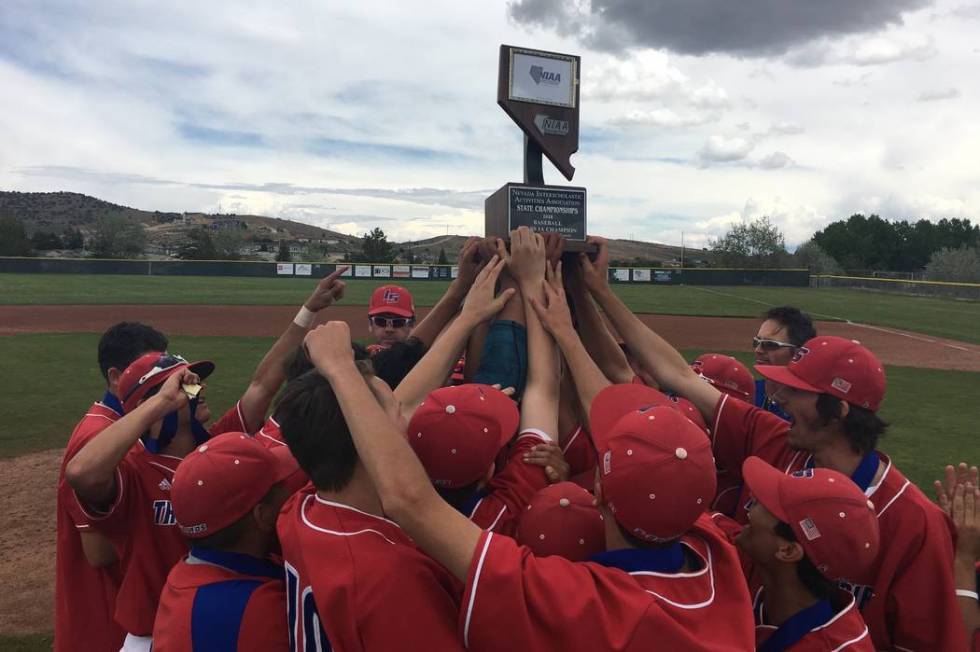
(939, 317)
(43, 404)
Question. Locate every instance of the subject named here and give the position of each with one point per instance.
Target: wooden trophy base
(546, 209)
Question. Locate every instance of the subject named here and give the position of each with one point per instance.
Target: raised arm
(435, 321)
(662, 360)
(433, 368)
(402, 484)
(271, 370)
(555, 316)
(92, 471)
(527, 264)
(595, 336)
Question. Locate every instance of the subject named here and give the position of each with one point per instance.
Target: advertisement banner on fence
(641, 275)
(420, 272)
(284, 269)
(454, 271)
(304, 269)
(362, 271)
(401, 271)
(439, 272)
(382, 271)
(347, 272)
(620, 274)
(662, 276)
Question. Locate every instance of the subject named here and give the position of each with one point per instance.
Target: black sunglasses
(770, 345)
(396, 322)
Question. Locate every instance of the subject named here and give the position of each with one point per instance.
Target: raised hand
(554, 247)
(172, 396)
(328, 345)
(550, 457)
(480, 304)
(595, 273)
(959, 475)
(470, 262)
(329, 290)
(527, 256)
(553, 312)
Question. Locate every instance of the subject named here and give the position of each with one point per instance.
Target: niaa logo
(550, 126)
(542, 76)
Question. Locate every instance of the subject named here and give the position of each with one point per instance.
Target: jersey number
(305, 629)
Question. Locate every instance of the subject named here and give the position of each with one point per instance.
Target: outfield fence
(631, 275)
(899, 286)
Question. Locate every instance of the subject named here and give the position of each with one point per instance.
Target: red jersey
(357, 582)
(141, 525)
(218, 601)
(908, 598)
(507, 495)
(516, 601)
(844, 630)
(85, 597)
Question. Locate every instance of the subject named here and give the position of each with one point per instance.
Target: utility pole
(682, 250)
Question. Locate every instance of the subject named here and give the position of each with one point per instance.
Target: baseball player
(123, 476)
(806, 530)
(87, 572)
(226, 594)
(784, 330)
(668, 580)
(832, 388)
(562, 519)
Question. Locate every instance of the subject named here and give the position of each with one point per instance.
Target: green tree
(960, 265)
(284, 255)
(443, 260)
(198, 245)
(72, 239)
(117, 237)
(45, 241)
(13, 237)
(816, 259)
(376, 248)
(757, 244)
(228, 244)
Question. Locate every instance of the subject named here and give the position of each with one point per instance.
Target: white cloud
(775, 160)
(935, 95)
(723, 149)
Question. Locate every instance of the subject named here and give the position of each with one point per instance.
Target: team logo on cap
(841, 385)
(800, 353)
(810, 530)
(391, 296)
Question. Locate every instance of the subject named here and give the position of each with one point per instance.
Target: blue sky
(355, 115)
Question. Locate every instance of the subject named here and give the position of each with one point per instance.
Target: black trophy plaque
(539, 90)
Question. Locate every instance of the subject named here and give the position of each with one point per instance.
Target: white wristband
(964, 593)
(304, 318)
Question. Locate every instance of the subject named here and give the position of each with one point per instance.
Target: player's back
(358, 581)
(620, 601)
(85, 596)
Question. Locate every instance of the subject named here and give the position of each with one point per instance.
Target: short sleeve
(740, 430)
(511, 490)
(230, 421)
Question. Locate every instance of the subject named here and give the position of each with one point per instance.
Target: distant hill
(57, 212)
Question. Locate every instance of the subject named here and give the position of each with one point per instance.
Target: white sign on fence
(401, 271)
(420, 272)
(304, 269)
(362, 271)
(284, 269)
(641, 275)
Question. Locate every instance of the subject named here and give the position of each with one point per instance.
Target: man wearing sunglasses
(784, 330)
(391, 315)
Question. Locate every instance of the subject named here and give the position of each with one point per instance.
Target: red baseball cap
(150, 370)
(562, 520)
(640, 394)
(655, 465)
(836, 366)
(392, 300)
(458, 431)
(689, 410)
(727, 374)
(221, 480)
(831, 517)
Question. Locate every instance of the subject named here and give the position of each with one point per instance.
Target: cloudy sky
(352, 115)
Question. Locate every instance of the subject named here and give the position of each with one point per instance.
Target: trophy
(540, 92)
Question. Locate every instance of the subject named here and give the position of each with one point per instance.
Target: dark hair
(314, 428)
(798, 325)
(393, 363)
(808, 574)
(300, 363)
(861, 426)
(122, 343)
